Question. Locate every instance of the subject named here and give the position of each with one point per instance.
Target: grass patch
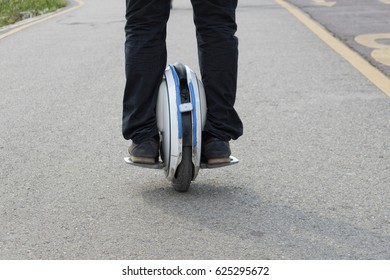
(12, 11)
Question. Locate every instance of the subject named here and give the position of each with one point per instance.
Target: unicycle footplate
(203, 165)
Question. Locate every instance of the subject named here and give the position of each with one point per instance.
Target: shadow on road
(270, 231)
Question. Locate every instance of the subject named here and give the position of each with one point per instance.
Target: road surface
(314, 176)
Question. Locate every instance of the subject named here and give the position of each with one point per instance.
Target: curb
(21, 25)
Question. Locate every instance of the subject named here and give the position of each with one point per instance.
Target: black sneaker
(145, 152)
(215, 151)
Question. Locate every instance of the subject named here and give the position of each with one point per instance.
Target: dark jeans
(146, 58)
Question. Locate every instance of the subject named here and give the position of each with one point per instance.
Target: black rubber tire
(184, 172)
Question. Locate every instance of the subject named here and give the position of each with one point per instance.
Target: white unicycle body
(181, 114)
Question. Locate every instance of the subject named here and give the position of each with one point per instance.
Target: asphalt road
(314, 176)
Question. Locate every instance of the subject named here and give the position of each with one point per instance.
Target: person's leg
(218, 58)
(146, 55)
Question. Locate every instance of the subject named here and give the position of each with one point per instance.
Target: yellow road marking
(381, 52)
(385, 1)
(80, 3)
(324, 3)
(363, 66)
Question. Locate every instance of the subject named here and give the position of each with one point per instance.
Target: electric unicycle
(181, 115)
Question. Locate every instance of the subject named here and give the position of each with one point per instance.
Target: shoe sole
(218, 160)
(142, 160)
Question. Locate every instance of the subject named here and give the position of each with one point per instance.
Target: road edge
(373, 74)
(28, 23)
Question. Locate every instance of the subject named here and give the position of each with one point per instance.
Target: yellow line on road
(80, 3)
(363, 66)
